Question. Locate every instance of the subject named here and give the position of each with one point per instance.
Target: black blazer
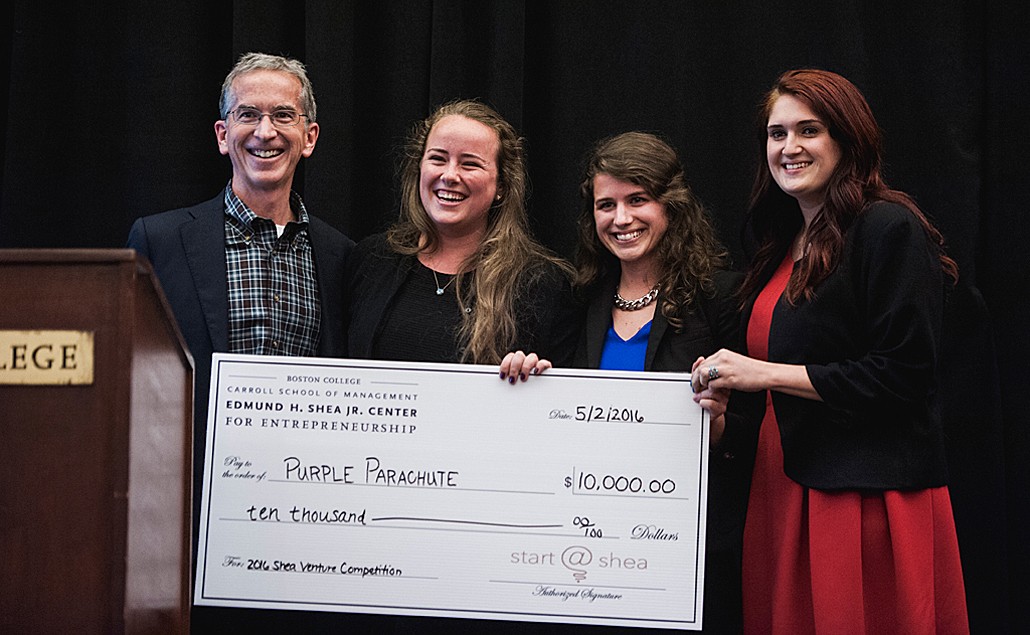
(186, 248)
(869, 340)
(713, 324)
(549, 318)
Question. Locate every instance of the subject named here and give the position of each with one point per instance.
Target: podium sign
(45, 358)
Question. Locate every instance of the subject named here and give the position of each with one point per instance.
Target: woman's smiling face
(458, 179)
(629, 222)
(801, 153)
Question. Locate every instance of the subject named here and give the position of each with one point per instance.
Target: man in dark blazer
(249, 271)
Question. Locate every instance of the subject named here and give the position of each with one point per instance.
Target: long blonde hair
(507, 260)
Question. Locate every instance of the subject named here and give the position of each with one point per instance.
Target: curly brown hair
(687, 254)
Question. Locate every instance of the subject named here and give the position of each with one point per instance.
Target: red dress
(840, 562)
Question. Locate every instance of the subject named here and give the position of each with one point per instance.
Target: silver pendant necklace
(635, 305)
(439, 289)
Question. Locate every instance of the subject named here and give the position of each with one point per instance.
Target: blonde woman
(458, 278)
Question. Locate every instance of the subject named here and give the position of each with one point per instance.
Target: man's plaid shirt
(274, 306)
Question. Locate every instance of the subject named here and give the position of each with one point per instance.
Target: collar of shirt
(247, 224)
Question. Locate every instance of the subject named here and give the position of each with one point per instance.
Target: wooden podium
(95, 468)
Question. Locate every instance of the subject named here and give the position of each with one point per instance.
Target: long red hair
(774, 218)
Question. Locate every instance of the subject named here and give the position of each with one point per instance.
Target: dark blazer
(713, 324)
(186, 248)
(549, 317)
(869, 340)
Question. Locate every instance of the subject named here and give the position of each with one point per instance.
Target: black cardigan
(548, 315)
(869, 340)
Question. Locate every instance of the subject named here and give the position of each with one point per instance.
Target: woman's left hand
(727, 370)
(519, 366)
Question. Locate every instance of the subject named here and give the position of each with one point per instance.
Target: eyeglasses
(279, 118)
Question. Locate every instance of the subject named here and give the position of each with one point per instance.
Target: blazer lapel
(329, 259)
(658, 327)
(599, 318)
(203, 241)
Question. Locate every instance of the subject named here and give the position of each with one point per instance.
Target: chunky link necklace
(635, 305)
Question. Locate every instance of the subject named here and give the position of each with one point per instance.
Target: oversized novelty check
(441, 490)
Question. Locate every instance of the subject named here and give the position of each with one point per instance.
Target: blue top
(620, 354)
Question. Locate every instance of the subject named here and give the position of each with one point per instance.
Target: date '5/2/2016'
(608, 413)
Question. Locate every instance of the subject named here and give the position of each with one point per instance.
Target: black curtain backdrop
(111, 106)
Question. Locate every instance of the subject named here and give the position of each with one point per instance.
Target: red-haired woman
(849, 526)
